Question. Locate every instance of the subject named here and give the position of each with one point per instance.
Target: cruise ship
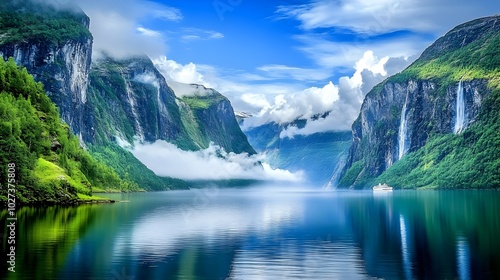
(382, 187)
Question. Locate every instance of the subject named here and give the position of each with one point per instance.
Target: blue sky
(280, 60)
(252, 36)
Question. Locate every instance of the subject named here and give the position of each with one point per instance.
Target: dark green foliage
(352, 175)
(50, 164)
(25, 21)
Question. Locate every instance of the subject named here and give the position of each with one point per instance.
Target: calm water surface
(263, 234)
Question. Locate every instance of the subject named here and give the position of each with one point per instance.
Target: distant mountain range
(318, 155)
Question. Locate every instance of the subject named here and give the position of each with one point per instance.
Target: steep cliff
(209, 117)
(440, 96)
(133, 101)
(56, 47)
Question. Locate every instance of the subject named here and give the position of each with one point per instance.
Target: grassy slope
(467, 160)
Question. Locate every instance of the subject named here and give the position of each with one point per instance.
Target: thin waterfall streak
(402, 131)
(460, 109)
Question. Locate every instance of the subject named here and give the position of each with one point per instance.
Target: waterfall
(460, 108)
(133, 106)
(402, 130)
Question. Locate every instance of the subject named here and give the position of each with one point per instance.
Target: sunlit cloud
(342, 101)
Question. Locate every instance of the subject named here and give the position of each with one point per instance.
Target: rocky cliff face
(400, 118)
(441, 93)
(132, 100)
(61, 64)
(64, 70)
(209, 118)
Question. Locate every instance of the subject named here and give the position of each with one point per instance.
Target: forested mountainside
(437, 123)
(42, 154)
(109, 100)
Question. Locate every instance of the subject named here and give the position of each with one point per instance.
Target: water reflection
(259, 234)
(404, 248)
(463, 259)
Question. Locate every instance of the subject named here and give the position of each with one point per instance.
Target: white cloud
(216, 35)
(193, 34)
(378, 17)
(182, 90)
(213, 163)
(190, 37)
(148, 32)
(159, 11)
(173, 71)
(342, 101)
(116, 30)
(304, 105)
(147, 78)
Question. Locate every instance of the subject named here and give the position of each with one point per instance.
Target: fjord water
(263, 234)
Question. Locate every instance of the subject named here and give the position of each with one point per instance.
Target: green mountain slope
(465, 61)
(209, 117)
(48, 163)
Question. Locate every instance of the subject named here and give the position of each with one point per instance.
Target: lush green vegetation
(202, 102)
(50, 164)
(107, 93)
(467, 160)
(25, 21)
(206, 119)
(352, 176)
(479, 59)
(470, 159)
